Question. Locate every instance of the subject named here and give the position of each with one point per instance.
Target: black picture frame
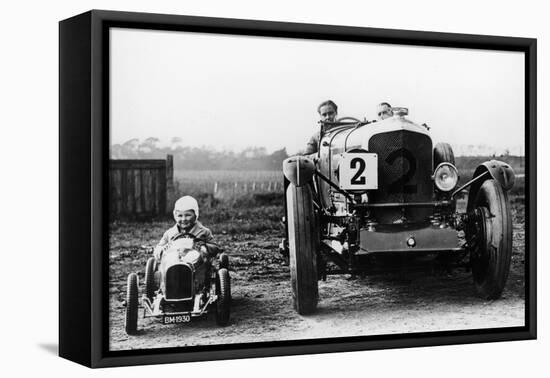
(84, 160)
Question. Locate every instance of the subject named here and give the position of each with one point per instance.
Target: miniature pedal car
(177, 290)
(380, 189)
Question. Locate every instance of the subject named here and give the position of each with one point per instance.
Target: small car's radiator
(179, 282)
(404, 174)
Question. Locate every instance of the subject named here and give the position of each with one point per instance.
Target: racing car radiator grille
(179, 282)
(404, 174)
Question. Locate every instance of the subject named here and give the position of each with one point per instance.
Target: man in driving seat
(186, 213)
(384, 110)
(328, 112)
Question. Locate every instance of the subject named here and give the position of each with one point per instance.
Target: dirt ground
(398, 302)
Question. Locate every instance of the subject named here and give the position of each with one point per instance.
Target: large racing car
(176, 290)
(380, 189)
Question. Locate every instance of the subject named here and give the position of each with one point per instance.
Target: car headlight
(446, 177)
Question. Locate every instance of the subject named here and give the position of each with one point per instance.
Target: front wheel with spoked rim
(490, 235)
(303, 241)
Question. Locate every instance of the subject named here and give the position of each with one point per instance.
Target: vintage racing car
(380, 189)
(177, 291)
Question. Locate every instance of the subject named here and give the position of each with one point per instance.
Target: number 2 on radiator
(358, 171)
(358, 178)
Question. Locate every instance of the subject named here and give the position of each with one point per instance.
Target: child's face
(185, 219)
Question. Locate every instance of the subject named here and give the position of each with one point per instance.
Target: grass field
(250, 188)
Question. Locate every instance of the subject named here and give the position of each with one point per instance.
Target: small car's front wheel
(132, 304)
(150, 285)
(223, 291)
(303, 242)
(491, 240)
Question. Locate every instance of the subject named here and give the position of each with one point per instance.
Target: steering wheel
(347, 119)
(181, 235)
(184, 240)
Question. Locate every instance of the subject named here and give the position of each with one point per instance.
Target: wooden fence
(227, 189)
(140, 189)
(222, 190)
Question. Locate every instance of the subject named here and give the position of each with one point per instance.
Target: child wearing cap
(186, 213)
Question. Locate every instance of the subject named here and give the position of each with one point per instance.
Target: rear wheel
(223, 291)
(303, 235)
(150, 284)
(132, 304)
(491, 240)
(443, 153)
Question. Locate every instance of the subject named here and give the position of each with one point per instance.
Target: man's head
(186, 212)
(328, 111)
(384, 110)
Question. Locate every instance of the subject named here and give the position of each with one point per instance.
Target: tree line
(204, 158)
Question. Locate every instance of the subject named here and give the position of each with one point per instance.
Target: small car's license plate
(175, 319)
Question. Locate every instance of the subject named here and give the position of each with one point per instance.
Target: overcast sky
(231, 92)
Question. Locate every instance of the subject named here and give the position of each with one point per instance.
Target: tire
(132, 304)
(443, 152)
(224, 261)
(150, 284)
(223, 291)
(303, 242)
(491, 252)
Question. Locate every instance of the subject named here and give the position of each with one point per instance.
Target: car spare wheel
(443, 153)
(490, 240)
(303, 242)
(223, 291)
(132, 304)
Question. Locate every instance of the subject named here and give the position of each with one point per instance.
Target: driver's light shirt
(313, 144)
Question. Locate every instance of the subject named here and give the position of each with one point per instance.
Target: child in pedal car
(186, 213)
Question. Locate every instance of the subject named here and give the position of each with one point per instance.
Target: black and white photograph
(267, 189)
(275, 189)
